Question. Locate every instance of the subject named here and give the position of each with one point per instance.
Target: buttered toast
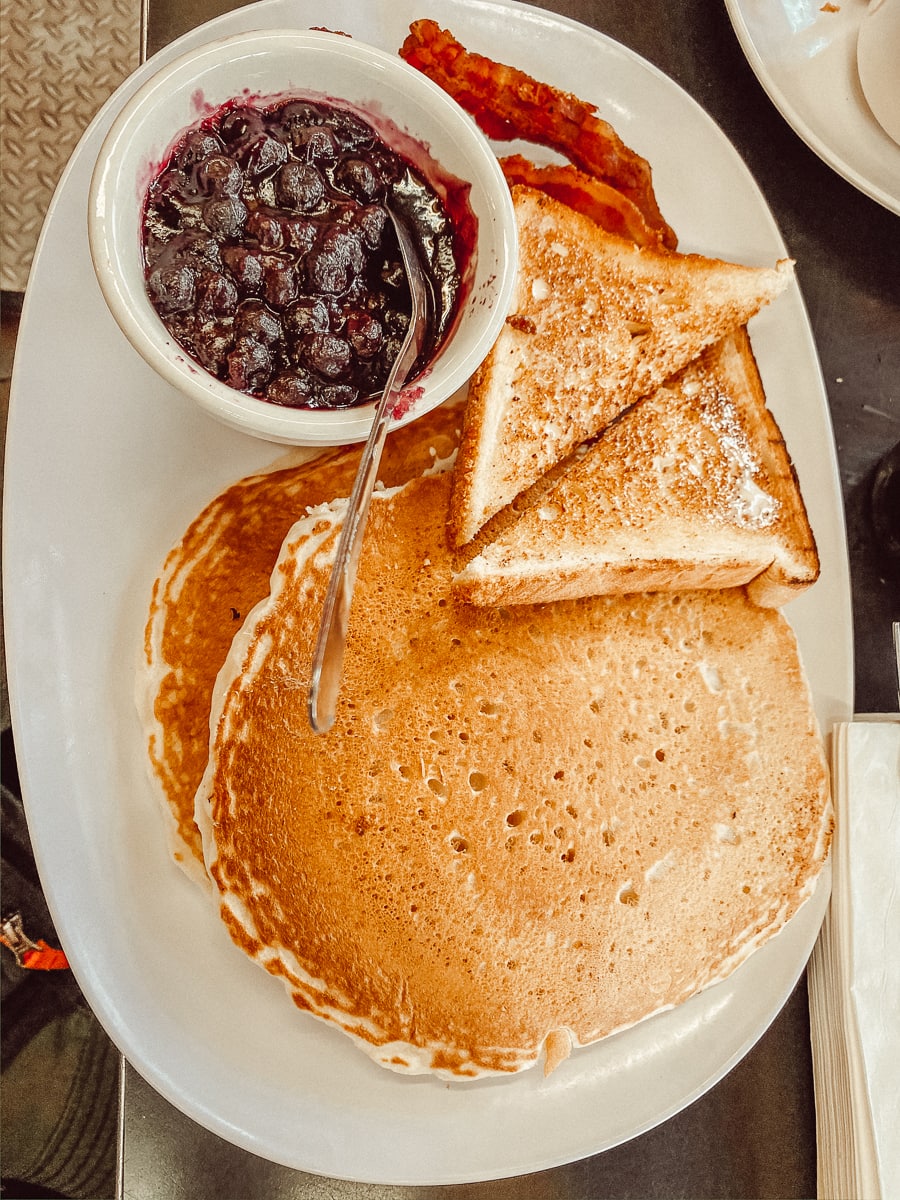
(595, 324)
(692, 487)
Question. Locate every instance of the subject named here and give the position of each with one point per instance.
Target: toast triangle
(692, 487)
(596, 323)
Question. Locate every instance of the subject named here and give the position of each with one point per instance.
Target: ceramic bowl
(409, 112)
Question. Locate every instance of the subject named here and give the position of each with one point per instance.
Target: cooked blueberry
(327, 272)
(338, 395)
(246, 268)
(173, 287)
(281, 274)
(263, 156)
(389, 351)
(315, 143)
(370, 376)
(194, 147)
(299, 233)
(280, 283)
(358, 177)
(392, 169)
(306, 315)
(197, 245)
(262, 190)
(212, 343)
(219, 173)
(395, 321)
(364, 334)
(335, 260)
(351, 132)
(249, 365)
(217, 295)
(266, 228)
(327, 354)
(299, 390)
(297, 114)
(225, 216)
(254, 319)
(345, 214)
(299, 185)
(239, 124)
(371, 221)
(393, 274)
(176, 187)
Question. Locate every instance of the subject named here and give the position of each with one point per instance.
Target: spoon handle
(328, 656)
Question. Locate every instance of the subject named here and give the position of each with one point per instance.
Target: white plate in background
(804, 53)
(89, 518)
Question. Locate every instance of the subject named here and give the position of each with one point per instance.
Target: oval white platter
(106, 467)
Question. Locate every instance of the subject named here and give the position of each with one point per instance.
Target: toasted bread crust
(596, 322)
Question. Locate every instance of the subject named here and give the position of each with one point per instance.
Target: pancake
(528, 828)
(212, 578)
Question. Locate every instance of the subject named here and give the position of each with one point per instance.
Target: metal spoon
(328, 656)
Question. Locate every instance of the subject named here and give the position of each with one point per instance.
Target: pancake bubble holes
(382, 719)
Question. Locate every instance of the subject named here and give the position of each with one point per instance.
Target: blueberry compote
(272, 260)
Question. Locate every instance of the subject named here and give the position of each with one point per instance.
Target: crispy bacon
(509, 104)
(603, 204)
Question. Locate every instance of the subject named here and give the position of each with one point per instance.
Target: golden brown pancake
(528, 827)
(213, 577)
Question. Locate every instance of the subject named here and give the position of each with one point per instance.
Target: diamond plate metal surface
(59, 61)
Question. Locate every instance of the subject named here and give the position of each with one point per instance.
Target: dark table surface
(753, 1135)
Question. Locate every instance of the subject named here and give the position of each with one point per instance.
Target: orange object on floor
(36, 956)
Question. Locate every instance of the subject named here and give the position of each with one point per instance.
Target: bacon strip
(508, 104)
(603, 204)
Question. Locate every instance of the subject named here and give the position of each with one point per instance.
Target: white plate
(106, 467)
(805, 58)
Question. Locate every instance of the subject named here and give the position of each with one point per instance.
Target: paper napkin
(854, 975)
